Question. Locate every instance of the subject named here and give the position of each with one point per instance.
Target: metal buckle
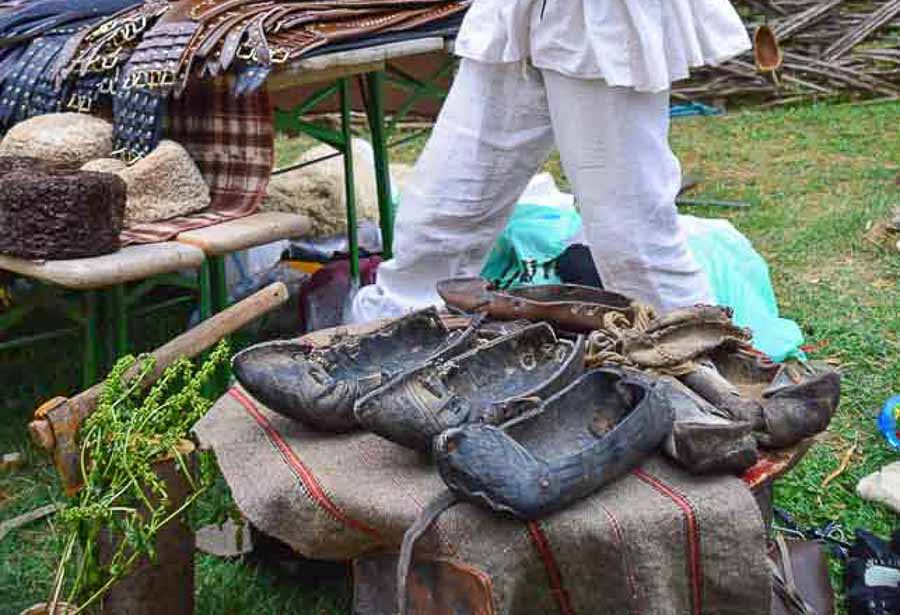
(279, 55)
(245, 52)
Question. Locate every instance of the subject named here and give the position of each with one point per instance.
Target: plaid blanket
(657, 541)
(232, 141)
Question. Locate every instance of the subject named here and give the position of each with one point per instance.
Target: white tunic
(641, 44)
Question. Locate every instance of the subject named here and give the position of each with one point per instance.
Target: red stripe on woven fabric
(695, 570)
(540, 542)
(303, 473)
(629, 572)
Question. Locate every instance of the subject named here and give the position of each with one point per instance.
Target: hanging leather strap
(784, 583)
(428, 516)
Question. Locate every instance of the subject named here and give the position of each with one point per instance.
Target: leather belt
(69, 54)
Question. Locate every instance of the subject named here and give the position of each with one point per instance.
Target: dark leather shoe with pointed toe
(319, 386)
(490, 384)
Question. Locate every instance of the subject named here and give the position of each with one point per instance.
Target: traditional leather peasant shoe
(702, 441)
(319, 386)
(489, 384)
(800, 408)
(592, 432)
(783, 403)
(566, 306)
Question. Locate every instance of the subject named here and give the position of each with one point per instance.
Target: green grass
(817, 177)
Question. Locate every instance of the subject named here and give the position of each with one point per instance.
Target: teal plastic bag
(527, 250)
(739, 277)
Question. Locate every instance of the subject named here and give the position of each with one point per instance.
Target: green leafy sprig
(123, 500)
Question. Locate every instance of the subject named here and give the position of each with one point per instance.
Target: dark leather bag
(805, 578)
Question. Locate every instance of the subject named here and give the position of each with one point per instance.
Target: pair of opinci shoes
(508, 413)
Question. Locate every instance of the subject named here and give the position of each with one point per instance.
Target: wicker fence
(831, 48)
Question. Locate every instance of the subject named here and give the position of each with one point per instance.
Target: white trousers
(497, 127)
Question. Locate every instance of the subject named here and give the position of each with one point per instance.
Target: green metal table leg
(120, 314)
(92, 345)
(375, 83)
(205, 281)
(206, 307)
(106, 330)
(219, 284)
(349, 187)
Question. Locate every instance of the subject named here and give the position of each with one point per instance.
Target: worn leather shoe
(566, 306)
(319, 386)
(592, 432)
(489, 384)
(783, 403)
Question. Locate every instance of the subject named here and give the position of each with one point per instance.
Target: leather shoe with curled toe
(318, 386)
(783, 403)
(799, 404)
(589, 434)
(567, 306)
(489, 384)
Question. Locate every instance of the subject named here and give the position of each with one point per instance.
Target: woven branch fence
(832, 48)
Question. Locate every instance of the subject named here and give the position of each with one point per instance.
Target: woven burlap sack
(63, 138)
(657, 541)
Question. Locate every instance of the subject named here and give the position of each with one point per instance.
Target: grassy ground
(818, 178)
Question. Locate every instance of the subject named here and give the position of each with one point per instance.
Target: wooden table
(104, 278)
(369, 64)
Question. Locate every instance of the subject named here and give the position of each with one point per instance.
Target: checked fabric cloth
(658, 541)
(233, 143)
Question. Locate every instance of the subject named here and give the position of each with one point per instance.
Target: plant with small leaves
(123, 500)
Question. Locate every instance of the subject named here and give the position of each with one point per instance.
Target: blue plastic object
(692, 109)
(739, 277)
(887, 421)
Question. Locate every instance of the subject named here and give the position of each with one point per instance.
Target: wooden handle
(55, 428)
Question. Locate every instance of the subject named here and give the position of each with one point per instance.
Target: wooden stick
(877, 19)
(16, 522)
(845, 461)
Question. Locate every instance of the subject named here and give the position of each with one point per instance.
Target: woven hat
(164, 184)
(52, 212)
(63, 138)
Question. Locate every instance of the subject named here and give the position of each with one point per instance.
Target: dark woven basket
(51, 212)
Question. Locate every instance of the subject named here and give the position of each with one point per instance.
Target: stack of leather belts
(59, 55)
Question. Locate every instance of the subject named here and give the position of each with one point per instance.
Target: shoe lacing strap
(784, 585)
(428, 516)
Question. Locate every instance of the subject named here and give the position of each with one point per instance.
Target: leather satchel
(800, 578)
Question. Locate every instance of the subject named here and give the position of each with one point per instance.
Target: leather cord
(428, 516)
(784, 585)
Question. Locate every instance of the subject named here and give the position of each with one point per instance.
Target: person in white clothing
(591, 77)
